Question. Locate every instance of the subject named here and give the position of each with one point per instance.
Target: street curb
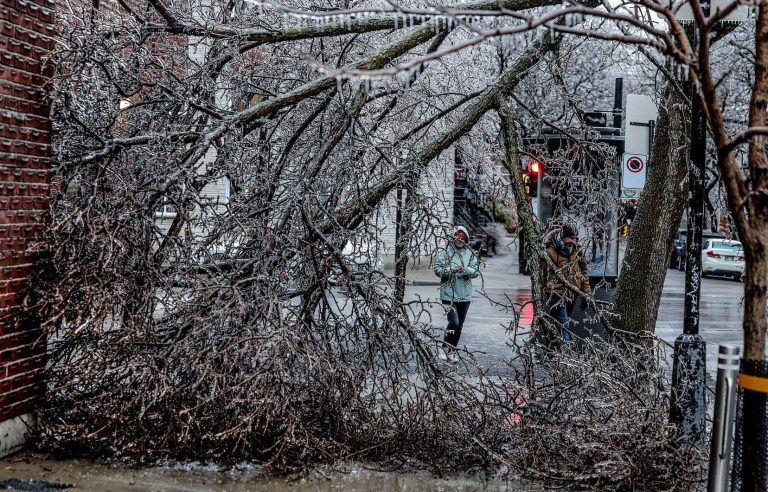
(422, 283)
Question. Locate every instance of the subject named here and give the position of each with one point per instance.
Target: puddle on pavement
(83, 475)
(522, 298)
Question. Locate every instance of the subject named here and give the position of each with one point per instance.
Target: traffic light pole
(687, 405)
(532, 177)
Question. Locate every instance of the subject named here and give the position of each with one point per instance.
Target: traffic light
(531, 178)
(526, 182)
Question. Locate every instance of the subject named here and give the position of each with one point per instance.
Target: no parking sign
(633, 170)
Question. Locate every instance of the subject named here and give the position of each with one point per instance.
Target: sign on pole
(739, 14)
(633, 170)
(640, 123)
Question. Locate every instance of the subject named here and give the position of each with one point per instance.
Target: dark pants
(561, 309)
(453, 331)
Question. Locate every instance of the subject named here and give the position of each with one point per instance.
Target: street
(485, 330)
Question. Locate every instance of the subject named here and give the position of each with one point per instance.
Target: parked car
(362, 258)
(722, 257)
(218, 253)
(678, 256)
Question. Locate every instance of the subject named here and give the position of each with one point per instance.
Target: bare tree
(215, 161)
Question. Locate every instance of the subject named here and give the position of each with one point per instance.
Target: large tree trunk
(748, 203)
(662, 202)
(756, 239)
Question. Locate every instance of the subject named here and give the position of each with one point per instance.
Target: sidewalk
(497, 271)
(490, 322)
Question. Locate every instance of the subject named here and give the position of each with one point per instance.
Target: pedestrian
(456, 265)
(597, 224)
(568, 268)
(630, 212)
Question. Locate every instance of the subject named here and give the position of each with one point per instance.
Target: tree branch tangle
(199, 295)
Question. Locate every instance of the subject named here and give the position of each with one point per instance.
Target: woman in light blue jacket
(456, 266)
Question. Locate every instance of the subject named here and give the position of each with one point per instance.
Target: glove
(584, 304)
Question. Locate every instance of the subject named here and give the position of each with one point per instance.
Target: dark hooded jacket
(570, 262)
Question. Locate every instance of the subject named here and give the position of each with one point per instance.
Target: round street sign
(633, 170)
(635, 164)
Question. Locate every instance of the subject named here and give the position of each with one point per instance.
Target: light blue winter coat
(456, 286)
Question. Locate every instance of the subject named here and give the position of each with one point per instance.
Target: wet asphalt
(490, 326)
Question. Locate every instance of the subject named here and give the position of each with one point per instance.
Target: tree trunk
(662, 202)
(530, 226)
(755, 240)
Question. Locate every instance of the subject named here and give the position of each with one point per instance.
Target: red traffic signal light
(532, 176)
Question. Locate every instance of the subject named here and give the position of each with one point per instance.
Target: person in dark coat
(570, 266)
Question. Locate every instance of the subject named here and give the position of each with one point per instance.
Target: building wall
(436, 189)
(26, 30)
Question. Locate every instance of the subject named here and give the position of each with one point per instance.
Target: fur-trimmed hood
(552, 239)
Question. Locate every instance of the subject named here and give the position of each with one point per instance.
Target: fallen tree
(187, 324)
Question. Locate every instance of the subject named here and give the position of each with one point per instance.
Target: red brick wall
(26, 30)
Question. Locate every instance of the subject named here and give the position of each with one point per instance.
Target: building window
(170, 203)
(166, 208)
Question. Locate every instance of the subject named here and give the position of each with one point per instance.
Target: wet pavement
(486, 327)
(33, 472)
(721, 313)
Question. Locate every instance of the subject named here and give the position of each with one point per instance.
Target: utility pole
(687, 404)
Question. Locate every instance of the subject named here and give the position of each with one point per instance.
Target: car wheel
(704, 274)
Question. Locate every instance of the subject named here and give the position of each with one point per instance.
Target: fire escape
(468, 209)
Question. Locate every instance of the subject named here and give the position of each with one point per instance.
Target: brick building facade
(26, 28)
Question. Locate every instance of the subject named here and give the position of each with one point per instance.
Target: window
(729, 245)
(166, 208)
(170, 203)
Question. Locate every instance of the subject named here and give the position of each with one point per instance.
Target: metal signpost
(687, 406)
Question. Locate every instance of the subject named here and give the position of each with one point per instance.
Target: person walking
(630, 210)
(597, 224)
(568, 267)
(456, 265)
